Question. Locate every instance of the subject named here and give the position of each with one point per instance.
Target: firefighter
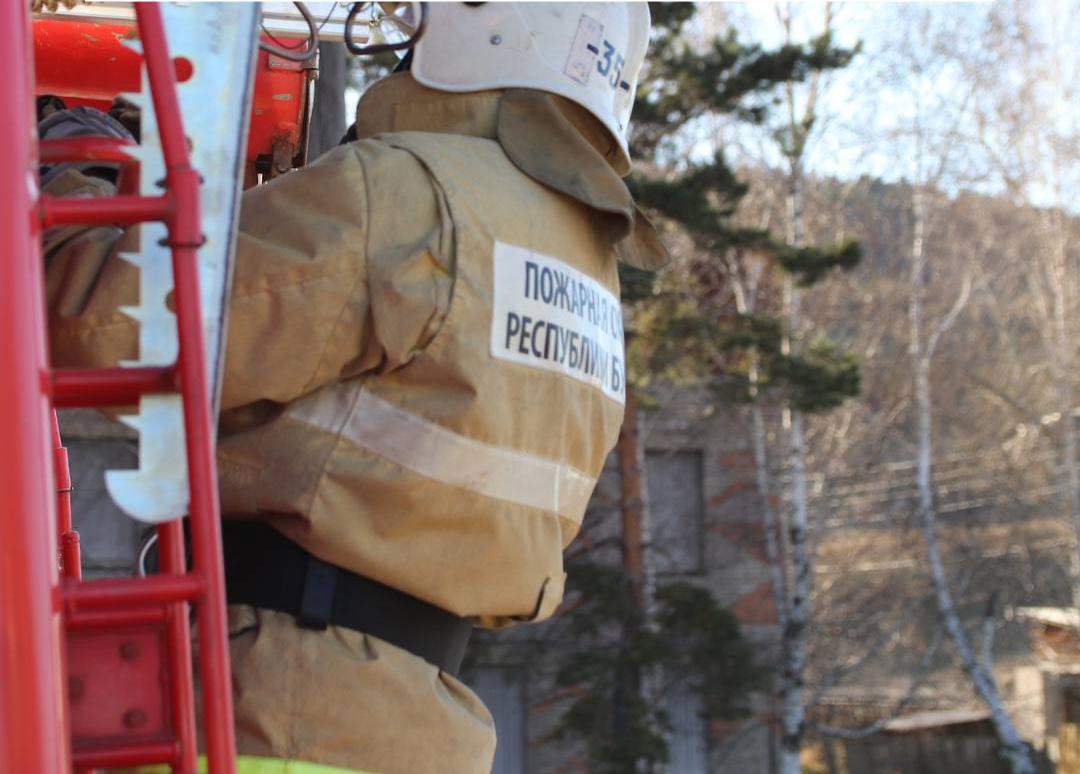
(424, 374)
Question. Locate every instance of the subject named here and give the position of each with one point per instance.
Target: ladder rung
(119, 592)
(109, 210)
(86, 148)
(130, 754)
(100, 619)
(88, 387)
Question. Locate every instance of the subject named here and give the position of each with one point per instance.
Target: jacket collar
(544, 136)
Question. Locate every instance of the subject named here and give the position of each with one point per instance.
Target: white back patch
(547, 314)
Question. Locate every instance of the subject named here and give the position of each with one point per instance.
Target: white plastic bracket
(219, 40)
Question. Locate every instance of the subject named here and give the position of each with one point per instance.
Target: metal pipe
(71, 555)
(63, 479)
(32, 706)
(116, 592)
(106, 211)
(70, 550)
(183, 185)
(63, 485)
(104, 619)
(86, 387)
(140, 754)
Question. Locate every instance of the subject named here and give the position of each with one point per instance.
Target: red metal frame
(34, 603)
(33, 736)
(89, 387)
(116, 210)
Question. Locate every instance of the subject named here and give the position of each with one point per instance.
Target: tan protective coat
(364, 414)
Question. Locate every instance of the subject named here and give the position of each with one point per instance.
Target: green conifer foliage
(695, 641)
(686, 327)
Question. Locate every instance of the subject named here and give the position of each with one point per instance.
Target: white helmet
(590, 53)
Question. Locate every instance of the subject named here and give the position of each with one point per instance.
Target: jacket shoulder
(364, 163)
(384, 162)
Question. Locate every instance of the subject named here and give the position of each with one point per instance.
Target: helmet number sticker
(583, 51)
(591, 50)
(611, 64)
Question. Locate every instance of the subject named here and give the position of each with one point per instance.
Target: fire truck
(98, 673)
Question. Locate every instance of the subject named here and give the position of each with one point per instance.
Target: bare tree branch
(949, 319)
(989, 626)
(913, 689)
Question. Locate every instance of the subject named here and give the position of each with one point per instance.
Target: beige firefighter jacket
(424, 366)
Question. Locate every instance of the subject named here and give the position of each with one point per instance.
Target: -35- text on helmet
(590, 53)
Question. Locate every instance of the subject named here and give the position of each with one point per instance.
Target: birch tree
(933, 146)
(922, 347)
(793, 140)
(793, 136)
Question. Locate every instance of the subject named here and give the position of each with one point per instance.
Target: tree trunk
(630, 681)
(796, 630)
(775, 554)
(1012, 747)
(768, 513)
(794, 633)
(634, 510)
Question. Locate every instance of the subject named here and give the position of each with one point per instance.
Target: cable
(141, 564)
(382, 48)
(322, 24)
(287, 52)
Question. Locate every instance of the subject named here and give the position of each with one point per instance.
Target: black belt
(265, 569)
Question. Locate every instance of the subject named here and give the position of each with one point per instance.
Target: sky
(869, 108)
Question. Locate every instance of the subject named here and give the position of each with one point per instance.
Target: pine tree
(695, 642)
(677, 324)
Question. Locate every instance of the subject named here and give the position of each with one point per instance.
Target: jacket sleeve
(300, 304)
(300, 315)
(85, 282)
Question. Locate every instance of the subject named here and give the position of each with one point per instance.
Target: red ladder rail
(149, 615)
(33, 735)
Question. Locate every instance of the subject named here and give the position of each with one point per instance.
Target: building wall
(732, 543)
(707, 530)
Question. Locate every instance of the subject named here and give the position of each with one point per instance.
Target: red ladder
(128, 677)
